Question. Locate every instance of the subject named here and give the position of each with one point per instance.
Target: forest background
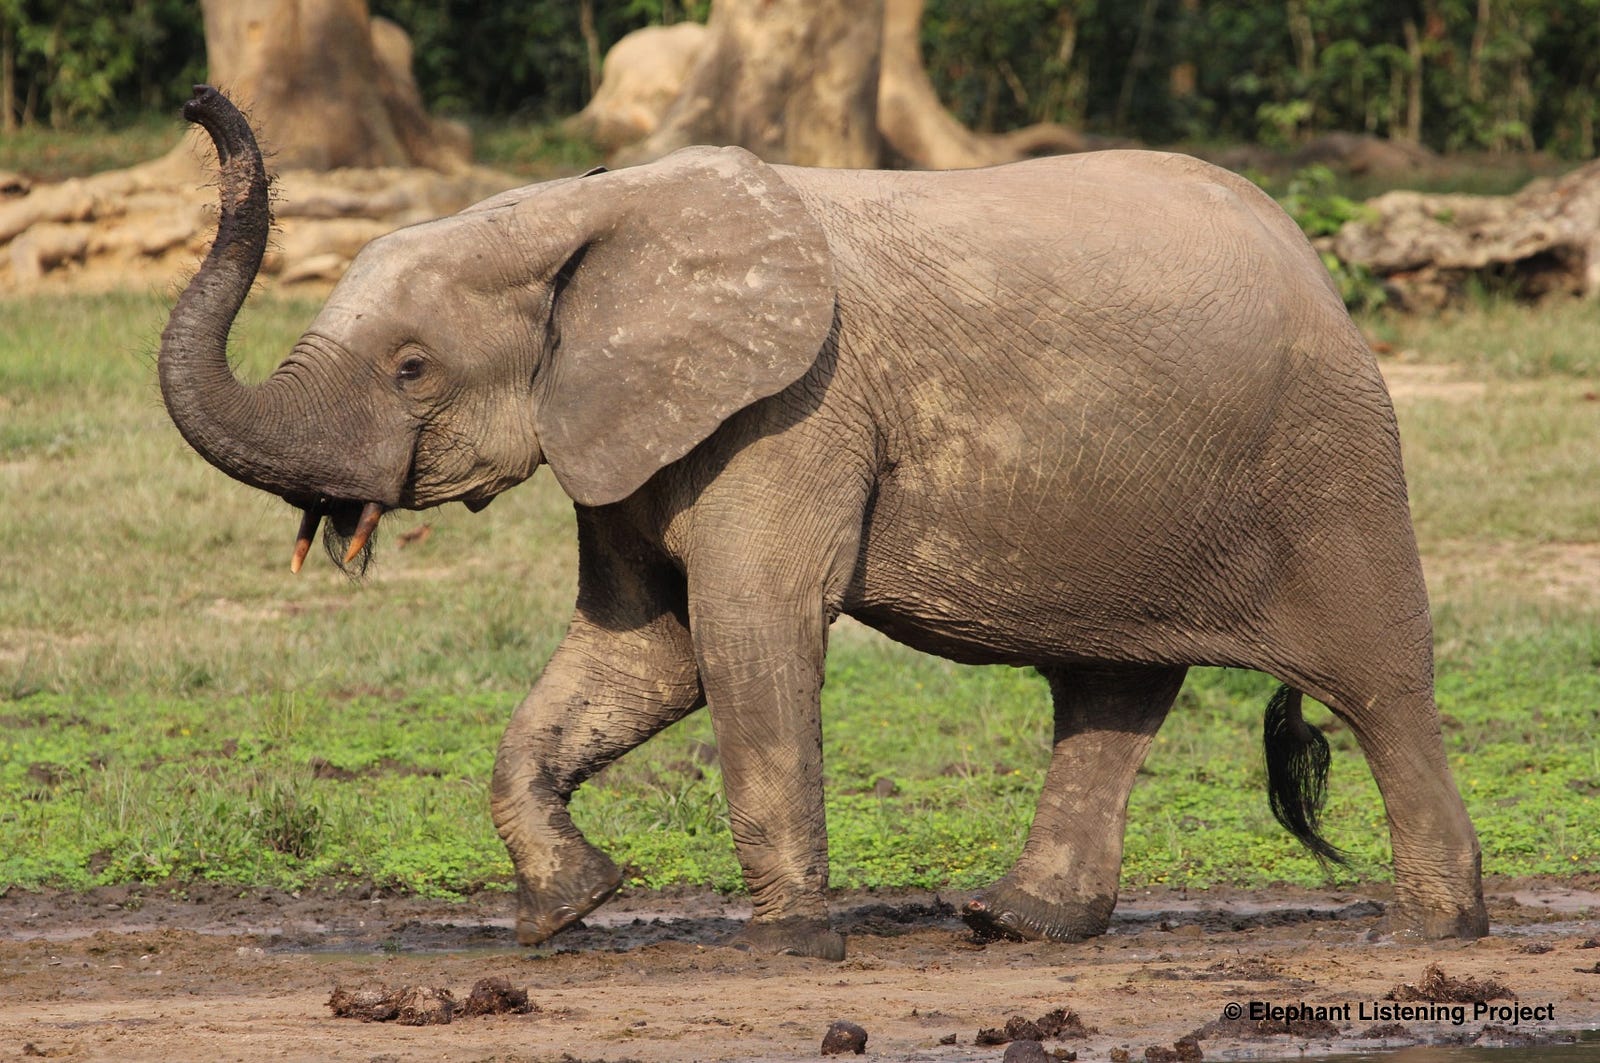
(1453, 75)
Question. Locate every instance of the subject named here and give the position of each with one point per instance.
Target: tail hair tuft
(1297, 772)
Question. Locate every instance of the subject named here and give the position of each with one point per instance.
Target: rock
(1544, 239)
(844, 1037)
(1026, 1052)
(1360, 153)
(1059, 1024)
(326, 267)
(148, 225)
(46, 246)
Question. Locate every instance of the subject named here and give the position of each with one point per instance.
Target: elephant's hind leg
(1354, 632)
(1437, 867)
(1064, 885)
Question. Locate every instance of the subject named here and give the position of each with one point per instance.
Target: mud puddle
(210, 974)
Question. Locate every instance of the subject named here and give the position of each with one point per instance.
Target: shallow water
(1586, 1050)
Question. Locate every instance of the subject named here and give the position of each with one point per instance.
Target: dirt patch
(1567, 573)
(129, 975)
(1409, 381)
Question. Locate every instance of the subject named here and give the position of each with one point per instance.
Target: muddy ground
(210, 974)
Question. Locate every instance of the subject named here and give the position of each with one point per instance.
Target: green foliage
(524, 59)
(385, 791)
(1311, 197)
(1503, 340)
(1524, 74)
(540, 152)
(1457, 75)
(81, 61)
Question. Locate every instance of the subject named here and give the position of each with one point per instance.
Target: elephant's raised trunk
(223, 419)
(273, 435)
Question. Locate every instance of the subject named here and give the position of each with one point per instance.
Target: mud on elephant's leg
(624, 672)
(762, 669)
(1064, 884)
(588, 708)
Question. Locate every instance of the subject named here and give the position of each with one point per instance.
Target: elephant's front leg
(624, 672)
(761, 661)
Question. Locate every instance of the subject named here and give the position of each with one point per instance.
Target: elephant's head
(604, 324)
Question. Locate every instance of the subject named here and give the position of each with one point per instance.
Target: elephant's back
(1119, 248)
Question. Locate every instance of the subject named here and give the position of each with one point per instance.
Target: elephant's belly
(979, 622)
(996, 582)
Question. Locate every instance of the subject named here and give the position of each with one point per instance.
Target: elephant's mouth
(349, 533)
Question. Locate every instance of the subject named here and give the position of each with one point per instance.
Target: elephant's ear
(690, 288)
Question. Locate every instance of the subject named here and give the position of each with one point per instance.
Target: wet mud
(215, 973)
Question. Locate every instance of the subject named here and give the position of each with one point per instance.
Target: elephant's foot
(794, 936)
(1415, 923)
(1007, 912)
(577, 889)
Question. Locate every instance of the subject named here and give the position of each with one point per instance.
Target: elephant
(1101, 415)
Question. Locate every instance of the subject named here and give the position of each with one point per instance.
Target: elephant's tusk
(364, 527)
(302, 543)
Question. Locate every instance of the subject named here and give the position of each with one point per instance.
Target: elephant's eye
(410, 369)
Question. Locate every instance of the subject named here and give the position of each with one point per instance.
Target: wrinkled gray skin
(1101, 415)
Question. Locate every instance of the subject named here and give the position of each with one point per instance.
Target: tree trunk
(327, 85)
(916, 125)
(1413, 129)
(794, 81)
(8, 80)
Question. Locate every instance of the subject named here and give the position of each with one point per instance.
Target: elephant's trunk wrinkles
(271, 435)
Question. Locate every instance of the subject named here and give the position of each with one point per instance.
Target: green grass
(1496, 338)
(175, 706)
(1477, 174)
(45, 154)
(535, 150)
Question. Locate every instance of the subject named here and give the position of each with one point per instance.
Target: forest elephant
(1101, 415)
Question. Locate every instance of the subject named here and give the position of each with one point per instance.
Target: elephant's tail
(1297, 772)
